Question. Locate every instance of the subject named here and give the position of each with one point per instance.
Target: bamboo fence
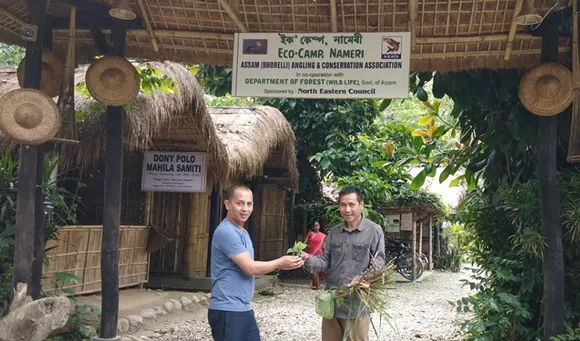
(78, 251)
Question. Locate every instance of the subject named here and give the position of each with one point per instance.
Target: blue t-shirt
(231, 288)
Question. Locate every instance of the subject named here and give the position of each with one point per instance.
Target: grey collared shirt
(346, 255)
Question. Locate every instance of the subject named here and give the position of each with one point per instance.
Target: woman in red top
(315, 240)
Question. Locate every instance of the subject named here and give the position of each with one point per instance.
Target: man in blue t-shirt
(233, 268)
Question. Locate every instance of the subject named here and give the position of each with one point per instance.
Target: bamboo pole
(414, 250)
(512, 33)
(233, 16)
(413, 20)
(333, 16)
(431, 242)
(148, 27)
(229, 36)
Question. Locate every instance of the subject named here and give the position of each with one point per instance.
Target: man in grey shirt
(348, 251)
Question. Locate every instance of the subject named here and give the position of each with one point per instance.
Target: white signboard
(321, 65)
(173, 172)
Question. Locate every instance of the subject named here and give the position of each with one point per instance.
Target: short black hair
(230, 192)
(348, 190)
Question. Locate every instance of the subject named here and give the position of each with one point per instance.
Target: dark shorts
(233, 325)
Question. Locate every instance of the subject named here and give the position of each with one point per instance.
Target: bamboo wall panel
(195, 260)
(272, 224)
(169, 213)
(78, 251)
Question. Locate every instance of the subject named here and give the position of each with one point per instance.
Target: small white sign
(322, 65)
(173, 171)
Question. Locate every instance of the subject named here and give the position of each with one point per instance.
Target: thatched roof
(451, 35)
(250, 135)
(238, 140)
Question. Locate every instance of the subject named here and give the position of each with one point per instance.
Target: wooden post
(431, 242)
(112, 203)
(549, 192)
(414, 250)
(28, 161)
(39, 224)
(438, 237)
(421, 225)
(214, 220)
(254, 217)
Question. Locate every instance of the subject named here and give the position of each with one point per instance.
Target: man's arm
(251, 267)
(232, 246)
(318, 263)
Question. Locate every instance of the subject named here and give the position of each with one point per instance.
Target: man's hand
(290, 262)
(304, 256)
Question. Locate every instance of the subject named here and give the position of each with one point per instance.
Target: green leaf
(422, 94)
(385, 104)
(438, 86)
(455, 182)
(445, 174)
(419, 180)
(424, 120)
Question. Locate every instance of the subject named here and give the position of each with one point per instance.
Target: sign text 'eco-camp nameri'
(173, 171)
(321, 65)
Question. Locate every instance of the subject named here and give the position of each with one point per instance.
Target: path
(420, 311)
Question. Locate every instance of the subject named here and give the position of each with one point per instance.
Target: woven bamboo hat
(52, 73)
(29, 116)
(113, 80)
(546, 90)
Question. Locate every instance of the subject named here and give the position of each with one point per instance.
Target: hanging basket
(157, 238)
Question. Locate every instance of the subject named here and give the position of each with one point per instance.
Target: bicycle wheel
(405, 268)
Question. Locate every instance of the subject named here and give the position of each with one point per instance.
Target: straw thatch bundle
(179, 117)
(250, 135)
(239, 141)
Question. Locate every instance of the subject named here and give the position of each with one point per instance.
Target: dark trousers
(233, 325)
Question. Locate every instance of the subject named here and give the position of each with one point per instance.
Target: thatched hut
(243, 145)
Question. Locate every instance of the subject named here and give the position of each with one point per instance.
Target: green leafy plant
(297, 249)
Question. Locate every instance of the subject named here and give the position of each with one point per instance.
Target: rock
(160, 312)
(135, 321)
(176, 303)
(168, 306)
(122, 325)
(163, 331)
(208, 295)
(134, 338)
(148, 314)
(185, 301)
(126, 338)
(173, 329)
(195, 299)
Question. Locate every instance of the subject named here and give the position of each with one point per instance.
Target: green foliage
(60, 209)
(11, 55)
(84, 319)
(572, 334)
(228, 101)
(455, 244)
(215, 80)
(297, 249)
(495, 137)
